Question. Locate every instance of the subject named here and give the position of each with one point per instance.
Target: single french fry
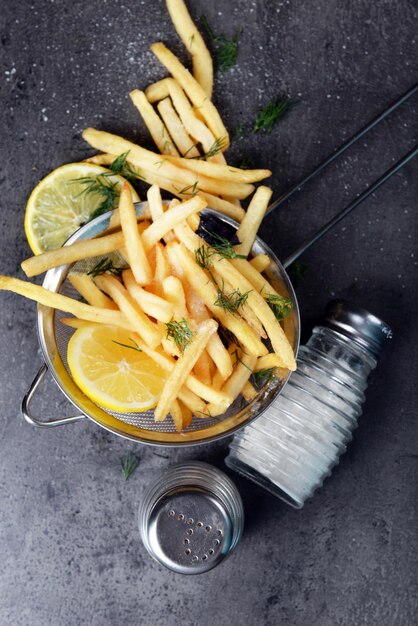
(69, 254)
(249, 226)
(279, 341)
(192, 39)
(268, 361)
(186, 415)
(260, 262)
(202, 368)
(174, 293)
(142, 324)
(233, 386)
(169, 220)
(217, 381)
(206, 290)
(249, 392)
(162, 268)
(196, 128)
(133, 240)
(150, 303)
(261, 284)
(191, 400)
(220, 171)
(205, 392)
(195, 92)
(85, 286)
(153, 122)
(64, 303)
(156, 207)
(176, 414)
(146, 159)
(157, 91)
(177, 130)
(183, 367)
(237, 213)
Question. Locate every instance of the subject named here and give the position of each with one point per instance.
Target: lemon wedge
(60, 203)
(110, 369)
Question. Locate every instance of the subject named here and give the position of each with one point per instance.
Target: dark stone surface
(70, 551)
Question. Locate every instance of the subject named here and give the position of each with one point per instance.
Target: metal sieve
(54, 337)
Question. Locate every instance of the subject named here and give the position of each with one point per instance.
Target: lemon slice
(116, 377)
(59, 204)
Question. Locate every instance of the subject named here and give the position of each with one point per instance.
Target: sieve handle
(26, 410)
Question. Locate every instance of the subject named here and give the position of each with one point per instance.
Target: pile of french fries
(164, 282)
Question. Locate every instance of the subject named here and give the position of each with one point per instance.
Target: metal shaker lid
(191, 518)
(363, 327)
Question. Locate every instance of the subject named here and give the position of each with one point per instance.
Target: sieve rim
(54, 279)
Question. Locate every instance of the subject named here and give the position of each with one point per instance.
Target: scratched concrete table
(70, 551)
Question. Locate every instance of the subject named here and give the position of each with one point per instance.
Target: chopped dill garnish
(246, 163)
(104, 265)
(101, 185)
(217, 146)
(120, 166)
(191, 190)
(221, 246)
(125, 345)
(129, 465)
(280, 306)
(226, 50)
(263, 376)
(297, 273)
(268, 117)
(231, 301)
(239, 360)
(179, 332)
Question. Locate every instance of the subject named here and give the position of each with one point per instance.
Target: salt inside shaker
(292, 447)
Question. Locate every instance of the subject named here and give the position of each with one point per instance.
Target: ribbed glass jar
(294, 444)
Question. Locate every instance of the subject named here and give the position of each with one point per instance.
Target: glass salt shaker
(293, 446)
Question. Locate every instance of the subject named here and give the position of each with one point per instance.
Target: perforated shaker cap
(363, 327)
(191, 518)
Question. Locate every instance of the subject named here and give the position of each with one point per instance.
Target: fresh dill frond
(202, 257)
(103, 187)
(226, 50)
(221, 246)
(129, 465)
(246, 163)
(125, 345)
(217, 146)
(121, 166)
(297, 273)
(239, 360)
(191, 190)
(274, 111)
(179, 332)
(231, 301)
(263, 376)
(103, 266)
(280, 306)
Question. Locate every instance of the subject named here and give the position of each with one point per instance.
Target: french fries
(157, 129)
(192, 39)
(176, 129)
(134, 245)
(85, 286)
(249, 226)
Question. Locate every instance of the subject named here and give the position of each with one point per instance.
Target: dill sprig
(221, 246)
(129, 465)
(297, 273)
(191, 190)
(239, 360)
(102, 186)
(263, 376)
(179, 332)
(226, 50)
(103, 266)
(268, 117)
(121, 167)
(280, 306)
(231, 301)
(217, 146)
(125, 345)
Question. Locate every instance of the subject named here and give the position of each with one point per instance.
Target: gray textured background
(70, 551)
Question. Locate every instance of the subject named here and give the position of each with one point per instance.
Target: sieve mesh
(56, 338)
